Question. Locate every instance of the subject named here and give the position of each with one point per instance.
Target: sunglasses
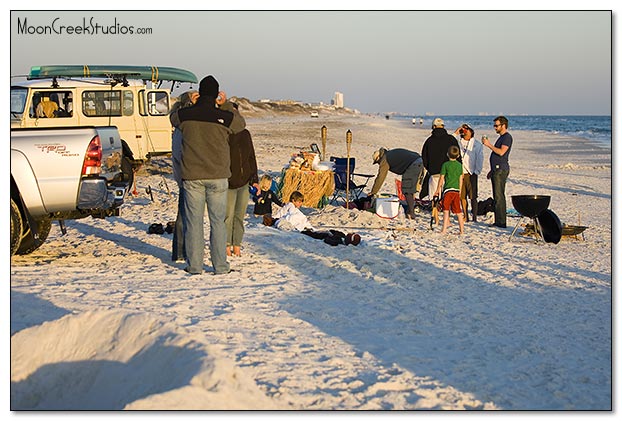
(496, 125)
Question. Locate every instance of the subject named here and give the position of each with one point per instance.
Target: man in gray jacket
(205, 170)
(403, 162)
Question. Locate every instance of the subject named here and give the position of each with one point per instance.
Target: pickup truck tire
(16, 227)
(127, 164)
(28, 242)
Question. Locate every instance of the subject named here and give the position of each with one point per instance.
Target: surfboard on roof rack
(151, 73)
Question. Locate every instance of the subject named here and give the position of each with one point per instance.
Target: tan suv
(121, 96)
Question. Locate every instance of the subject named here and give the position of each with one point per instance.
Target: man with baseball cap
(403, 162)
(434, 152)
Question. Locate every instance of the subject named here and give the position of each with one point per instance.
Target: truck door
(154, 108)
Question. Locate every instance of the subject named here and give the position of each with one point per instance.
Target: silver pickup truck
(59, 174)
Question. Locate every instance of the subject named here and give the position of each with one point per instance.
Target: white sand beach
(102, 319)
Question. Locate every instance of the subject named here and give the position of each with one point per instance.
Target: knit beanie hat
(209, 87)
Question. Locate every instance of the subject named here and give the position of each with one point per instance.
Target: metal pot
(531, 205)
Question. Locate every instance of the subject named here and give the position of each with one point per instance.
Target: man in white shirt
(472, 163)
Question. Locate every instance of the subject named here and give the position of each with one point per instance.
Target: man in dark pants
(434, 152)
(499, 167)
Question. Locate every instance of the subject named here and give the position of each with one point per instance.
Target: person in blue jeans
(187, 99)
(205, 170)
(499, 168)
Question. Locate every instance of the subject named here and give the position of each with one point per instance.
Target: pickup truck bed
(62, 173)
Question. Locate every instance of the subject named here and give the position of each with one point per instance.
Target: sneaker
(187, 270)
(170, 227)
(155, 229)
(223, 273)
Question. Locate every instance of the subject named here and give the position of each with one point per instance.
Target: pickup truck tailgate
(56, 156)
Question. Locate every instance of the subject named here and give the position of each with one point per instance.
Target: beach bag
(485, 206)
(363, 203)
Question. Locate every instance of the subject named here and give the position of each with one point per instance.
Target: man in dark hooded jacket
(434, 152)
(205, 170)
(402, 162)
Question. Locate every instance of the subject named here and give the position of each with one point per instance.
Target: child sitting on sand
(290, 218)
(451, 182)
(264, 197)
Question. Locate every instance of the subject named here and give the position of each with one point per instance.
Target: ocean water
(595, 128)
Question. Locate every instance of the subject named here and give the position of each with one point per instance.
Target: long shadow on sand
(521, 348)
(104, 384)
(122, 240)
(28, 310)
(544, 186)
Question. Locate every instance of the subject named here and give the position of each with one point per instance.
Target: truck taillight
(93, 159)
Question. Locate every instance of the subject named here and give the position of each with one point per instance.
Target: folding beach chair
(342, 182)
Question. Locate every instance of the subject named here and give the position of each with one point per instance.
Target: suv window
(101, 103)
(18, 100)
(128, 103)
(157, 103)
(51, 104)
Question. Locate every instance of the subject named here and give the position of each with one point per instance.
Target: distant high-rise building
(338, 100)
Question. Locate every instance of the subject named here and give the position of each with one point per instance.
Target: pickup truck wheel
(29, 243)
(16, 227)
(127, 164)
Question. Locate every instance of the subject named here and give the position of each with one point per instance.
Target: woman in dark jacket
(243, 174)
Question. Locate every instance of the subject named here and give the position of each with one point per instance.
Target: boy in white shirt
(290, 217)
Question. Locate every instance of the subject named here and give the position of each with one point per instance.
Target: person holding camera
(499, 167)
(205, 171)
(472, 164)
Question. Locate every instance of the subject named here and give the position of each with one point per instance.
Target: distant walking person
(243, 174)
(499, 168)
(205, 169)
(187, 99)
(472, 164)
(434, 152)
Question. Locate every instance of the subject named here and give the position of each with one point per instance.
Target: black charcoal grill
(530, 206)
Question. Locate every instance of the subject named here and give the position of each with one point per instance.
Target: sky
(411, 62)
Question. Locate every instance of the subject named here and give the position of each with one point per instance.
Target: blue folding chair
(342, 183)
